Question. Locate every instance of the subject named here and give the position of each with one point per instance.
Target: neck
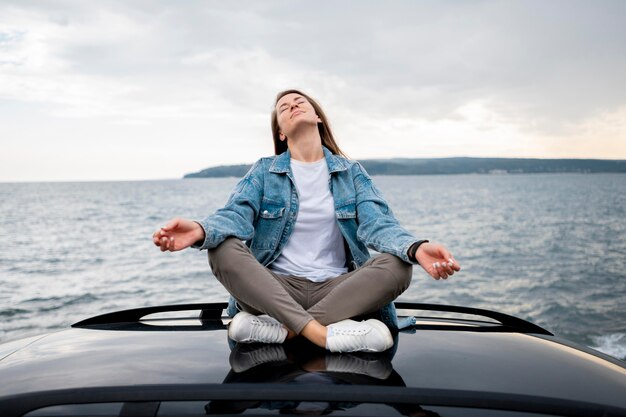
(306, 146)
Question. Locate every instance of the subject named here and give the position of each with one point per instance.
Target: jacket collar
(282, 163)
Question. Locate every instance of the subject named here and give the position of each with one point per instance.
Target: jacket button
(265, 212)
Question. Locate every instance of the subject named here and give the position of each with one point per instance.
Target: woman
(308, 215)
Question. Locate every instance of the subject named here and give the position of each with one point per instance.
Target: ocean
(549, 248)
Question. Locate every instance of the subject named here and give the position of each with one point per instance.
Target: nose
(294, 104)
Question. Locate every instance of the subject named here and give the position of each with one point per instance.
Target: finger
(164, 243)
(172, 245)
(156, 237)
(455, 264)
(436, 272)
(444, 267)
(441, 270)
(450, 261)
(171, 225)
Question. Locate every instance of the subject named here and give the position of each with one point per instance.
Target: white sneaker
(353, 336)
(248, 328)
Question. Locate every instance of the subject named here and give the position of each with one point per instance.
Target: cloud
(553, 62)
(601, 135)
(480, 77)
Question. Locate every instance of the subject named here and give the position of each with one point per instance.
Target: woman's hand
(436, 260)
(178, 234)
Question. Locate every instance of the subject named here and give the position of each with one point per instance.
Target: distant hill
(443, 166)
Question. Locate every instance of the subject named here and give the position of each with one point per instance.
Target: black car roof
(490, 361)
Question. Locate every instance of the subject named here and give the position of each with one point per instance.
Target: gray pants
(294, 301)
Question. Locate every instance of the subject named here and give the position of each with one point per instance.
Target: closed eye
(284, 106)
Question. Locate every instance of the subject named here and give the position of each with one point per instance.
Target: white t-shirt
(315, 249)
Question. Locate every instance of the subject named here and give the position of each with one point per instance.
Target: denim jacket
(263, 208)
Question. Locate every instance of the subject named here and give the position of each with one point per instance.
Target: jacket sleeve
(236, 218)
(378, 228)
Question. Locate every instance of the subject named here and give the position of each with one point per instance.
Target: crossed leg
(305, 307)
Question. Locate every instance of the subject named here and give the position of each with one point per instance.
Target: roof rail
(213, 311)
(501, 318)
(208, 311)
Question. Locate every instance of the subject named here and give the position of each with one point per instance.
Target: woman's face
(293, 110)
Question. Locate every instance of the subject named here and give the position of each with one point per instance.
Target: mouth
(297, 112)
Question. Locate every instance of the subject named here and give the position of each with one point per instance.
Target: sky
(141, 90)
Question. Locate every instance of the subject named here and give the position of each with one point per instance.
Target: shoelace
(355, 338)
(351, 332)
(265, 330)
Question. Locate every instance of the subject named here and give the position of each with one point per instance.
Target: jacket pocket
(345, 212)
(271, 211)
(269, 225)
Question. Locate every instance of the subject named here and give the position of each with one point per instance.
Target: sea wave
(10, 312)
(611, 344)
(546, 248)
